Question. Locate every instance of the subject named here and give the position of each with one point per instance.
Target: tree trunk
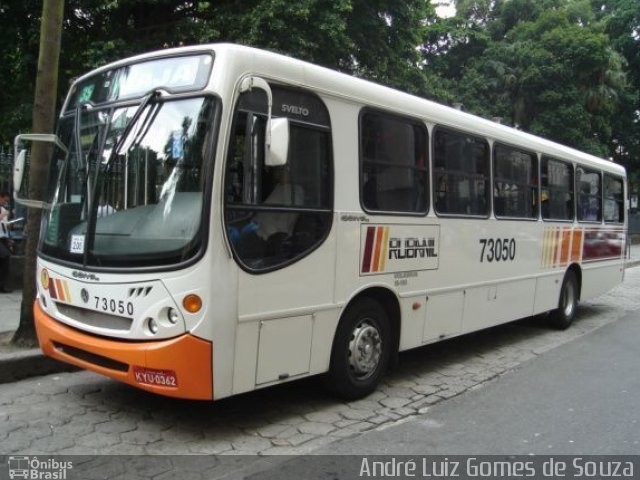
(44, 108)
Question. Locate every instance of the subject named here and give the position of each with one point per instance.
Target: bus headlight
(152, 325)
(172, 315)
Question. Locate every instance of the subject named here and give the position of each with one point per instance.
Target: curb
(23, 364)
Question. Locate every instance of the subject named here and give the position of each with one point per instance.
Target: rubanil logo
(391, 248)
(400, 248)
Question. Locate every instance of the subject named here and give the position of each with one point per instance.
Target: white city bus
(222, 219)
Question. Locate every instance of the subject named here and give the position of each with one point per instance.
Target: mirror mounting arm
(276, 148)
(248, 84)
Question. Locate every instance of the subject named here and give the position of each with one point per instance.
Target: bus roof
(244, 60)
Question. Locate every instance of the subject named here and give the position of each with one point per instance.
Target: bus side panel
(412, 315)
(597, 279)
(493, 304)
(246, 354)
(324, 327)
(444, 316)
(284, 348)
(547, 292)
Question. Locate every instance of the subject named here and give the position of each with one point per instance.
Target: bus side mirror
(278, 151)
(20, 166)
(18, 170)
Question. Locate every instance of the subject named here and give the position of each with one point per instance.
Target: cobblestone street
(83, 413)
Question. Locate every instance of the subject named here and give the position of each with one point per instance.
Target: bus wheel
(361, 350)
(563, 316)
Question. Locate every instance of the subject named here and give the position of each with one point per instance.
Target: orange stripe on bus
(376, 255)
(576, 246)
(566, 244)
(60, 290)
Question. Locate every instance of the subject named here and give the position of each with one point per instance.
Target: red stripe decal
(368, 248)
(52, 288)
(602, 244)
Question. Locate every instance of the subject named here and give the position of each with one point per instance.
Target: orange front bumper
(186, 356)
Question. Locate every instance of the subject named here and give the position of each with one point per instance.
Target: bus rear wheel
(361, 350)
(562, 317)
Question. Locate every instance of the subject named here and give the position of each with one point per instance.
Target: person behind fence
(5, 252)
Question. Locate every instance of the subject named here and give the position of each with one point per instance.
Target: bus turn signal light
(192, 303)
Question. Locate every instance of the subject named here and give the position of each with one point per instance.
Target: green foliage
(568, 70)
(621, 21)
(19, 53)
(551, 71)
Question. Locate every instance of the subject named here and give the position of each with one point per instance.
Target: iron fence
(17, 233)
(6, 168)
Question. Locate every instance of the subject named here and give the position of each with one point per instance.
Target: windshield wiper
(92, 220)
(151, 96)
(84, 179)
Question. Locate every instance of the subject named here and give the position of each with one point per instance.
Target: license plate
(150, 376)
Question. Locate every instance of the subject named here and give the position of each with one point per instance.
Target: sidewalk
(635, 255)
(10, 310)
(19, 363)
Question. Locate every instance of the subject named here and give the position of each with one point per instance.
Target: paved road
(83, 413)
(581, 398)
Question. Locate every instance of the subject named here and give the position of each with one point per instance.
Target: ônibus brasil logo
(32, 468)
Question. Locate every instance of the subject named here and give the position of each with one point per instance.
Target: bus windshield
(130, 191)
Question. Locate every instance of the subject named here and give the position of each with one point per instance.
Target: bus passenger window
(394, 173)
(613, 199)
(515, 183)
(461, 173)
(557, 190)
(589, 195)
(276, 214)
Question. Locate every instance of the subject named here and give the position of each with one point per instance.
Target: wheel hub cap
(365, 349)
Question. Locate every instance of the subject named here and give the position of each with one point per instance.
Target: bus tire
(562, 317)
(361, 350)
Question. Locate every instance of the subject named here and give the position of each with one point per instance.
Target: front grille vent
(138, 292)
(91, 357)
(93, 318)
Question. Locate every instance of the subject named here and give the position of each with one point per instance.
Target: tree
(373, 39)
(553, 74)
(621, 19)
(44, 107)
(18, 50)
